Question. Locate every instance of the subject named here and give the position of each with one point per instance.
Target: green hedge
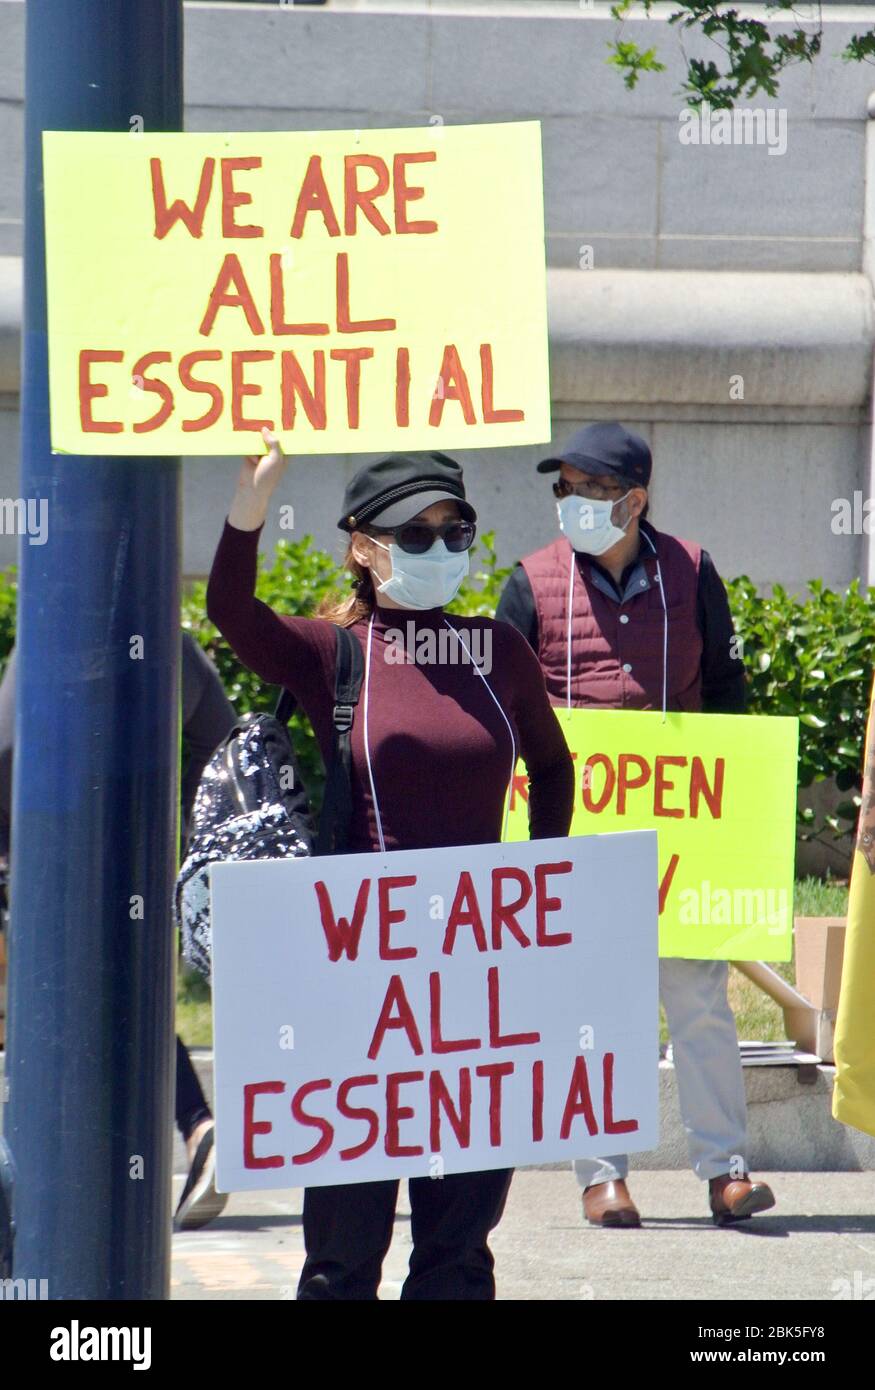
(813, 658)
(810, 657)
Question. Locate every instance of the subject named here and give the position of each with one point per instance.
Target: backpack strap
(337, 801)
(286, 706)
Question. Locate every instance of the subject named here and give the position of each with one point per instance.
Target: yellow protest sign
(853, 1099)
(370, 290)
(720, 790)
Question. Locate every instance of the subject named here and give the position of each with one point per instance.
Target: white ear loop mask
(430, 580)
(587, 524)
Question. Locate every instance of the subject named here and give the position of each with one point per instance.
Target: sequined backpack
(251, 802)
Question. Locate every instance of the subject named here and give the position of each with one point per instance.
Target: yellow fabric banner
(369, 290)
(720, 790)
(854, 1094)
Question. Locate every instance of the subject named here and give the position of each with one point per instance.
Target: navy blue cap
(605, 448)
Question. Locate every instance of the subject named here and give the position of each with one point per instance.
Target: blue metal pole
(90, 1047)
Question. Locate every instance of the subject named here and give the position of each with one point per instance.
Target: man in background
(623, 616)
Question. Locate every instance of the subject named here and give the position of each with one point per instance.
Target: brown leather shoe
(609, 1204)
(735, 1199)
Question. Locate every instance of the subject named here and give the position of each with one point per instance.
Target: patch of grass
(194, 1010)
(820, 897)
(756, 1016)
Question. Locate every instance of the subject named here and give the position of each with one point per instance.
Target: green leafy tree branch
(750, 58)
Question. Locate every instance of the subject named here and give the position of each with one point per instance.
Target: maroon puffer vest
(616, 664)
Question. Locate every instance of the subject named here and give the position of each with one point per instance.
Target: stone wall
(708, 263)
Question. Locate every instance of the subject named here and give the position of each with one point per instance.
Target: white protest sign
(436, 1011)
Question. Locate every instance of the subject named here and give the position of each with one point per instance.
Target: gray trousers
(708, 1069)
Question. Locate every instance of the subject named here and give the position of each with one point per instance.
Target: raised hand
(259, 477)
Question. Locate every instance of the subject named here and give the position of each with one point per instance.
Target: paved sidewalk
(819, 1243)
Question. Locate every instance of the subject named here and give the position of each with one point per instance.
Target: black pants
(191, 1103)
(347, 1230)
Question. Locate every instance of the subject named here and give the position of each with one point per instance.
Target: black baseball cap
(397, 488)
(605, 448)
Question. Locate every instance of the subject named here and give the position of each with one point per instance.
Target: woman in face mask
(419, 563)
(434, 743)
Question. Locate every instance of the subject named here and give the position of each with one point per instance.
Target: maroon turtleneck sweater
(441, 753)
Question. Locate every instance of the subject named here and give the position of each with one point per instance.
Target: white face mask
(588, 525)
(424, 581)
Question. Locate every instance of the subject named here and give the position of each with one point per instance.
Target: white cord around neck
(664, 629)
(570, 606)
(465, 648)
(366, 739)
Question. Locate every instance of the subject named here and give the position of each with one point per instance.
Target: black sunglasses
(415, 538)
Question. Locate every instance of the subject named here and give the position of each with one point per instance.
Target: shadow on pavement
(840, 1225)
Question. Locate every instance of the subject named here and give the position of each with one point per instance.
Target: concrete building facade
(718, 298)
